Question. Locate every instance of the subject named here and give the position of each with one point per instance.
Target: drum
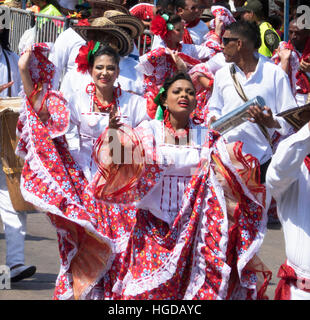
(12, 164)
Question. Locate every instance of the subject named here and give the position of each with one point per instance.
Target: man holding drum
(14, 223)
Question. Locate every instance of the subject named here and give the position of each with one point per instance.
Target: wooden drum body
(11, 163)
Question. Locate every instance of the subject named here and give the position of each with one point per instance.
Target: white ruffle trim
(144, 66)
(132, 287)
(37, 167)
(246, 256)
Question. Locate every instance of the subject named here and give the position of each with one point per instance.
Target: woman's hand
(212, 119)
(5, 86)
(284, 54)
(23, 62)
(114, 121)
(304, 66)
(219, 24)
(181, 65)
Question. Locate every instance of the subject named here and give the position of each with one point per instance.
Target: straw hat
(297, 117)
(130, 23)
(108, 5)
(104, 30)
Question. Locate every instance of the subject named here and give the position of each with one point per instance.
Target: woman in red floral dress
(201, 217)
(56, 141)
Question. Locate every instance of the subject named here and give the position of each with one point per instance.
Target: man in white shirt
(190, 11)
(258, 77)
(14, 223)
(288, 181)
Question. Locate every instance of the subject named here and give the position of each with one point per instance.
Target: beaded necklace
(177, 135)
(91, 90)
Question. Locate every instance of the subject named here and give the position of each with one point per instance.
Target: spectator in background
(253, 10)
(294, 58)
(190, 11)
(44, 7)
(48, 7)
(146, 12)
(68, 4)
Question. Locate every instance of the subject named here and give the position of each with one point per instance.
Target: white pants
(14, 225)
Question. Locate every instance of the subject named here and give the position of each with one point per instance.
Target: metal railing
(47, 28)
(20, 21)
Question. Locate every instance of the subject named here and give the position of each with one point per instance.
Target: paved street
(42, 251)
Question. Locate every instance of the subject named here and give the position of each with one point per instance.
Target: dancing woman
(56, 140)
(201, 216)
(171, 56)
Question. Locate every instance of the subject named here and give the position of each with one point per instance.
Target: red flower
(83, 22)
(81, 58)
(159, 26)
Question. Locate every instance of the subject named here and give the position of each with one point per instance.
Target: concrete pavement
(41, 250)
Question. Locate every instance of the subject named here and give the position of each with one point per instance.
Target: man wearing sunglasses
(257, 76)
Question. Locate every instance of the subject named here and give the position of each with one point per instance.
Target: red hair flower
(159, 26)
(82, 57)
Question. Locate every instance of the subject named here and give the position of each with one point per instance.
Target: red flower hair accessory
(159, 25)
(82, 58)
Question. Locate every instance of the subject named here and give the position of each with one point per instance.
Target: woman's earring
(118, 90)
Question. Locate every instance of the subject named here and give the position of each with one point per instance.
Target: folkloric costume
(200, 220)
(158, 64)
(194, 32)
(288, 181)
(144, 12)
(123, 27)
(299, 80)
(211, 40)
(91, 236)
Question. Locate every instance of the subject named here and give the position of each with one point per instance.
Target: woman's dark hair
(104, 49)
(169, 81)
(247, 30)
(4, 39)
(174, 18)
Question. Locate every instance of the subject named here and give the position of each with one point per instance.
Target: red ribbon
(287, 275)
(186, 36)
(302, 79)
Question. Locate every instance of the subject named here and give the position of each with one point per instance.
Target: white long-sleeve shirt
(288, 180)
(15, 76)
(268, 81)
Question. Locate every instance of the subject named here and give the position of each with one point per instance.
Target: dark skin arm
(258, 115)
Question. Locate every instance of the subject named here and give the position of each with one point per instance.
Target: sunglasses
(227, 40)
